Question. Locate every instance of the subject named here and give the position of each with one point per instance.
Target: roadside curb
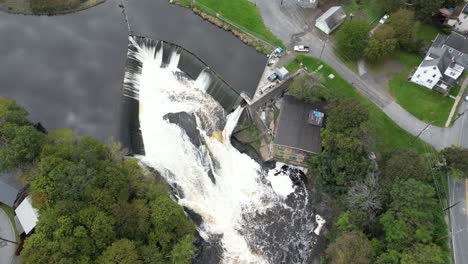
(457, 101)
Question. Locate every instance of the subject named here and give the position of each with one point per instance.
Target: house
(444, 63)
(457, 18)
(9, 189)
(297, 132)
(331, 19)
(26, 215)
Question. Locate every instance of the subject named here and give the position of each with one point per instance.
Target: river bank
(230, 17)
(46, 7)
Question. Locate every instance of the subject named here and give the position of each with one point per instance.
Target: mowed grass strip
(243, 13)
(425, 104)
(387, 134)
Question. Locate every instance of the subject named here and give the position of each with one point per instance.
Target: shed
(331, 19)
(27, 215)
(282, 73)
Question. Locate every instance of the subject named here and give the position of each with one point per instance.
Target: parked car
(273, 77)
(301, 48)
(466, 98)
(384, 19)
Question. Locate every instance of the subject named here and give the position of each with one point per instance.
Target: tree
(350, 247)
(389, 6)
(23, 144)
(365, 196)
(381, 44)
(344, 159)
(406, 164)
(403, 23)
(411, 214)
(308, 87)
(346, 115)
(351, 38)
(183, 251)
(426, 9)
(457, 160)
(122, 252)
(11, 112)
(421, 253)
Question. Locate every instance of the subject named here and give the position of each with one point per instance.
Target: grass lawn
(425, 104)
(426, 32)
(11, 216)
(241, 12)
(364, 8)
(387, 134)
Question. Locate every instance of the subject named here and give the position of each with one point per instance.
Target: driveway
(7, 250)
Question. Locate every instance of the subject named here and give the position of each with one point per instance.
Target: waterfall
(239, 205)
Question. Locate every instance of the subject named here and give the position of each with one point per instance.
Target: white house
(444, 63)
(330, 20)
(459, 21)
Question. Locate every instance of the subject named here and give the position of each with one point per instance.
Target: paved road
(459, 219)
(283, 20)
(7, 250)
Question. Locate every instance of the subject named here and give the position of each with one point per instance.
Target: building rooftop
(333, 17)
(293, 128)
(27, 215)
(9, 189)
(458, 42)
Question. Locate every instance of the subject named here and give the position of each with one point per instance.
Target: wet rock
(188, 123)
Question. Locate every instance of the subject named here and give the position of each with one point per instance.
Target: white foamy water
(169, 150)
(238, 189)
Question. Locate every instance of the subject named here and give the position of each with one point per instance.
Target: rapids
(254, 223)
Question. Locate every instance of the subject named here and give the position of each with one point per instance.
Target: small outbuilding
(27, 215)
(331, 19)
(9, 189)
(282, 73)
(297, 132)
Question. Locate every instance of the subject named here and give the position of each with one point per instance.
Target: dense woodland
(94, 205)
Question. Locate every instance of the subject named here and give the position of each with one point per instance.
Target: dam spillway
(185, 133)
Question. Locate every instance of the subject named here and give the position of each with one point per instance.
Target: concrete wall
(290, 155)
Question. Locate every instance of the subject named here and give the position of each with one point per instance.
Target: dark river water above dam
(68, 70)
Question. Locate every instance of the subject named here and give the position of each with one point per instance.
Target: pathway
(7, 250)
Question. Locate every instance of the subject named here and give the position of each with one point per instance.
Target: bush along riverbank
(46, 7)
(241, 18)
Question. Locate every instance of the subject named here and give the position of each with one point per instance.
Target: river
(68, 70)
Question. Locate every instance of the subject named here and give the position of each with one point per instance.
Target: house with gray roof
(9, 189)
(444, 64)
(331, 19)
(297, 132)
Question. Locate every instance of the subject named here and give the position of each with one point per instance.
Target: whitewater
(228, 189)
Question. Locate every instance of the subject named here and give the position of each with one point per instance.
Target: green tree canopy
(403, 23)
(381, 44)
(457, 160)
(308, 87)
(350, 247)
(121, 252)
(351, 38)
